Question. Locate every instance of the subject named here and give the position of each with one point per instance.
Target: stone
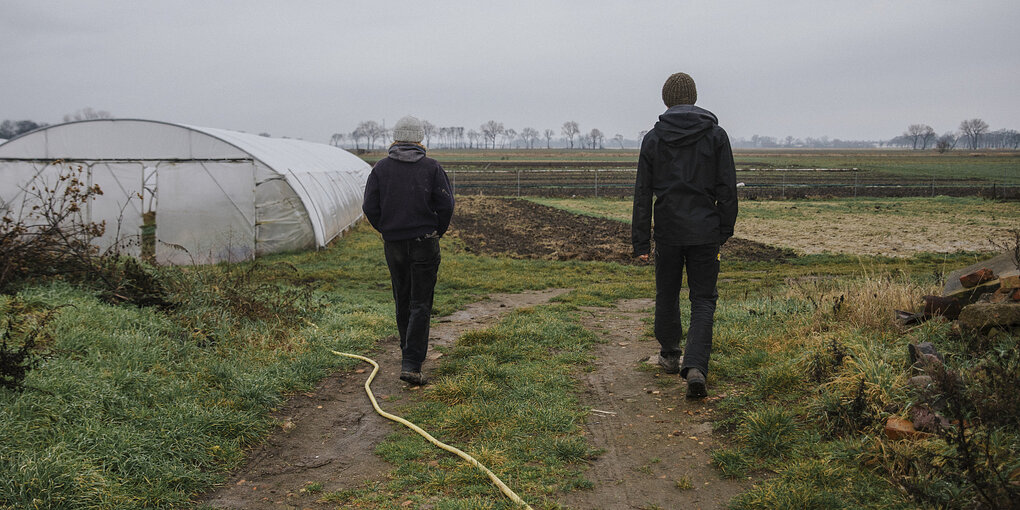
(977, 277)
(926, 420)
(999, 264)
(972, 295)
(919, 381)
(985, 316)
(924, 352)
(948, 307)
(1009, 280)
(1001, 296)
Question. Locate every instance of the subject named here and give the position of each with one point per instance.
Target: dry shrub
(50, 237)
(866, 302)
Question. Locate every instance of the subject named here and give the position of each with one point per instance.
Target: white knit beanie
(408, 129)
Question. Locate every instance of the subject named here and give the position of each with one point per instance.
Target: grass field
(134, 407)
(990, 166)
(873, 226)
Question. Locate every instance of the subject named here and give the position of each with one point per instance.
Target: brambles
(50, 237)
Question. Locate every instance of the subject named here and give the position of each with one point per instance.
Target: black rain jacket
(687, 164)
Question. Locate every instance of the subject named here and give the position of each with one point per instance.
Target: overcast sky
(860, 69)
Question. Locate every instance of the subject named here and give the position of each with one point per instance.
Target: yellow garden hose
(492, 476)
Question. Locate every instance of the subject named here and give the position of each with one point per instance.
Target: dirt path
(329, 435)
(651, 436)
(656, 442)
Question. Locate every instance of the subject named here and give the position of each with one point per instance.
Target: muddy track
(329, 435)
(650, 436)
(655, 441)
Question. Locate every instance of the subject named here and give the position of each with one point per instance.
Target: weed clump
(970, 458)
(19, 343)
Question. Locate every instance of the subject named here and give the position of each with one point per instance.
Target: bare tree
(641, 135)
(430, 129)
(529, 135)
(548, 138)
(509, 134)
(570, 130)
(973, 129)
(584, 140)
(336, 139)
(357, 135)
(87, 113)
(1012, 139)
(618, 138)
(914, 133)
(458, 135)
(946, 142)
(596, 138)
(490, 130)
(372, 131)
(472, 138)
(927, 136)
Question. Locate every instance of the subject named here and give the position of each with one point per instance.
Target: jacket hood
(685, 124)
(407, 152)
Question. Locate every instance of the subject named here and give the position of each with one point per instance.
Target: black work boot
(670, 364)
(696, 384)
(413, 378)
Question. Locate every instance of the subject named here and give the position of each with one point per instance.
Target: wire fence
(752, 184)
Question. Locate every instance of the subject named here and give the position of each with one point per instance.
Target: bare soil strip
(656, 443)
(329, 435)
(522, 229)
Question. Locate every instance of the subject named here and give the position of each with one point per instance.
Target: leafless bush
(50, 237)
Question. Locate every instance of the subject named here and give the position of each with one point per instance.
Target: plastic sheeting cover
(330, 181)
(222, 194)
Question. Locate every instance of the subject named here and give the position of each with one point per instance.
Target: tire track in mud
(651, 436)
(329, 435)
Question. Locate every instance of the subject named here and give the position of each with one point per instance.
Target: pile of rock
(980, 297)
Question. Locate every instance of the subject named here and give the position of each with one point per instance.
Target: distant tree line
(12, 128)
(824, 142)
(973, 133)
(490, 135)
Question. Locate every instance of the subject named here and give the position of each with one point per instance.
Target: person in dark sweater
(686, 163)
(409, 201)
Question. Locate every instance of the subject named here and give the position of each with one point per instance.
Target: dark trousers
(702, 263)
(413, 267)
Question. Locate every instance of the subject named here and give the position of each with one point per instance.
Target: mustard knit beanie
(679, 89)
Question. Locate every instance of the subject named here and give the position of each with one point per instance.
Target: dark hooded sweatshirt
(408, 195)
(687, 164)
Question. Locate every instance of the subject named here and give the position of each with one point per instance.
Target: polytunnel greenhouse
(181, 194)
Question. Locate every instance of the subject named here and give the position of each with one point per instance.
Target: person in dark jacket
(686, 163)
(408, 199)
